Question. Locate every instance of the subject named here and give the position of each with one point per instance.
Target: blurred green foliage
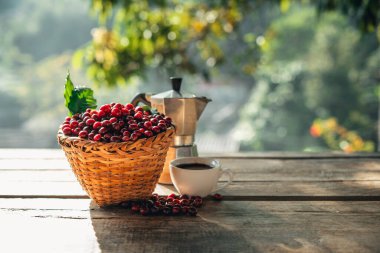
(363, 14)
(173, 35)
(33, 30)
(338, 137)
(183, 35)
(311, 68)
(10, 108)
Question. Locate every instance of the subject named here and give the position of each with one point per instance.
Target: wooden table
(277, 203)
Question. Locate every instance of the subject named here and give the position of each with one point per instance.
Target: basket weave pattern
(111, 173)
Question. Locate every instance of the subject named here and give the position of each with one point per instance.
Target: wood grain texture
(220, 227)
(43, 208)
(247, 169)
(16, 153)
(58, 153)
(284, 155)
(305, 169)
(55, 189)
(236, 189)
(253, 177)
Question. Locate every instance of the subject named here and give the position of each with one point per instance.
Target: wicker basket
(115, 172)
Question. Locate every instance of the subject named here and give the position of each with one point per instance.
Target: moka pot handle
(141, 97)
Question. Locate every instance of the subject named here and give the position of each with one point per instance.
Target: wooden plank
(37, 176)
(284, 178)
(50, 225)
(305, 170)
(55, 189)
(294, 155)
(14, 205)
(31, 153)
(270, 190)
(17, 153)
(240, 175)
(66, 175)
(34, 164)
(249, 169)
(312, 189)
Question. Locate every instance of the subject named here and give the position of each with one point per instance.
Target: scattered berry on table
(192, 211)
(217, 196)
(172, 204)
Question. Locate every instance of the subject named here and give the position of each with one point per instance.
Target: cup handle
(230, 177)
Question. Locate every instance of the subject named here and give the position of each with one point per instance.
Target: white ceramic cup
(198, 182)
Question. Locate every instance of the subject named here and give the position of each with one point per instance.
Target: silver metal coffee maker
(185, 110)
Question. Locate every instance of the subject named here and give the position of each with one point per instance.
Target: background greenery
(274, 69)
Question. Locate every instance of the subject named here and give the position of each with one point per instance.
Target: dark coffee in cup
(194, 166)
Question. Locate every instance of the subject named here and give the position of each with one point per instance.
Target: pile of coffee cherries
(165, 205)
(116, 123)
(171, 205)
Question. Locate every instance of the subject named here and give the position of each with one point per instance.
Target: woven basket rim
(64, 138)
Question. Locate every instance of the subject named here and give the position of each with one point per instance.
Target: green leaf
(81, 99)
(145, 108)
(69, 88)
(78, 99)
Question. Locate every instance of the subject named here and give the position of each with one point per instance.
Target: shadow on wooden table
(119, 230)
(315, 205)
